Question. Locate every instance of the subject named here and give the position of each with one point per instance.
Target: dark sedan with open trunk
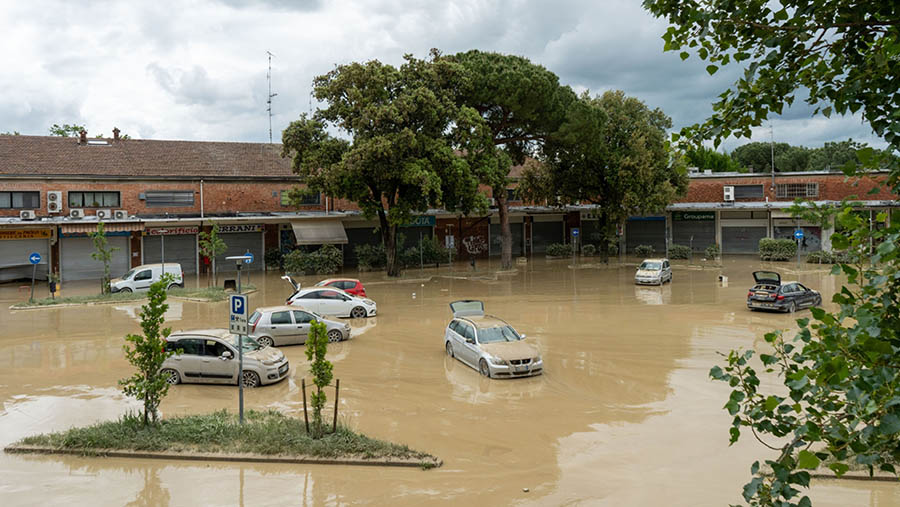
(770, 293)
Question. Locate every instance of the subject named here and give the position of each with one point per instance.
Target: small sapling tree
(316, 348)
(211, 245)
(148, 351)
(103, 253)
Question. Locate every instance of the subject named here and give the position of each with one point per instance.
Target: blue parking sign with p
(238, 305)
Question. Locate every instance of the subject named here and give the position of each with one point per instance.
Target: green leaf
(807, 460)
(684, 55)
(890, 425)
(711, 69)
(839, 468)
(771, 403)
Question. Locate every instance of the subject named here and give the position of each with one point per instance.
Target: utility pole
(772, 145)
(270, 95)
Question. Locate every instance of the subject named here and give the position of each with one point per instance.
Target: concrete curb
(220, 457)
(855, 476)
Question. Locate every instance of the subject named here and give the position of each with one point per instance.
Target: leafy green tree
(147, 352)
(611, 152)
(405, 130)
(8, 133)
(211, 246)
(321, 370)
(840, 399)
(66, 130)
(704, 158)
(521, 103)
(835, 155)
(103, 253)
(758, 157)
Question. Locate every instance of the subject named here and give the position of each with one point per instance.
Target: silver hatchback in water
(209, 356)
(289, 325)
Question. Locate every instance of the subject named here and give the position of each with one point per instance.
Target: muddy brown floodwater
(624, 415)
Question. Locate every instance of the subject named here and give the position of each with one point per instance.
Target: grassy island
(263, 434)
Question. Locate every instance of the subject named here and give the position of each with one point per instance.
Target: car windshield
(249, 343)
(498, 334)
(650, 266)
(127, 275)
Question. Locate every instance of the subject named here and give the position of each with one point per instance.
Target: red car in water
(348, 285)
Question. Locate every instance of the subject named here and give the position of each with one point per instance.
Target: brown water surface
(624, 415)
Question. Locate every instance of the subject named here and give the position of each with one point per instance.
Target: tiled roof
(64, 156)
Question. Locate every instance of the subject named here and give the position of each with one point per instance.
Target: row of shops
(66, 248)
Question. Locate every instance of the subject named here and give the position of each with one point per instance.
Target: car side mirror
(523, 336)
(470, 340)
(226, 355)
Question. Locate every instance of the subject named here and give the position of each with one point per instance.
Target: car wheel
(449, 349)
(126, 289)
(172, 376)
(358, 312)
(172, 286)
(335, 336)
(250, 378)
(792, 308)
(484, 369)
(265, 341)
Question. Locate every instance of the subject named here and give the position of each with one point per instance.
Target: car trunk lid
(467, 308)
(767, 277)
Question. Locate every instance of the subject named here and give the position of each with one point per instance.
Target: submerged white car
(489, 344)
(210, 356)
(653, 272)
(330, 301)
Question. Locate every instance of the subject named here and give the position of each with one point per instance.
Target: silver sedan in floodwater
(489, 344)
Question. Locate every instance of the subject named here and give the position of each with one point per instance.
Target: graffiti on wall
(474, 244)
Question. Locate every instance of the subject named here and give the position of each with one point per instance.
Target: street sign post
(34, 259)
(798, 236)
(238, 324)
(575, 232)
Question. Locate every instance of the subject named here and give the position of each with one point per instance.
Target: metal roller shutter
(703, 232)
(646, 232)
(14, 263)
(76, 262)
(545, 233)
(238, 244)
(516, 230)
(180, 248)
(411, 236)
(741, 239)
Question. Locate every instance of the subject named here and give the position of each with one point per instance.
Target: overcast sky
(196, 70)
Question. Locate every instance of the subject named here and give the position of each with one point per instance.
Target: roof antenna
(269, 99)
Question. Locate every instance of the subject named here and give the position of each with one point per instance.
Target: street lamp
(239, 261)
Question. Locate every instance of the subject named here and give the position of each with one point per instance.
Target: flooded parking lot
(624, 415)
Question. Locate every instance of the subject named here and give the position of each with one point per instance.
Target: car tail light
(253, 326)
(780, 298)
(750, 293)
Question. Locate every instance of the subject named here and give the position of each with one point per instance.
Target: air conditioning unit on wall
(120, 214)
(104, 214)
(728, 192)
(54, 201)
(76, 213)
(27, 214)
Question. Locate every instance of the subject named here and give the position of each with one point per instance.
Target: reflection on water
(624, 414)
(133, 310)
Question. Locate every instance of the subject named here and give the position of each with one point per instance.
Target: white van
(141, 277)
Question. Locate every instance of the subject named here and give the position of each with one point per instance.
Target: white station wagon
(489, 344)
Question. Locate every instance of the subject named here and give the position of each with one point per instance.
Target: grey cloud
(283, 5)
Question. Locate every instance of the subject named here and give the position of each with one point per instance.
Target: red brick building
(154, 197)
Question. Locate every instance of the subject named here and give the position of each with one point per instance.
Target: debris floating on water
(525, 490)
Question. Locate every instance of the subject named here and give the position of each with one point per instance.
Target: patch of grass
(269, 433)
(210, 294)
(76, 300)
